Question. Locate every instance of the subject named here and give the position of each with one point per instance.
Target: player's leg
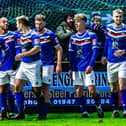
(95, 96)
(4, 84)
(33, 74)
(10, 94)
(19, 96)
(112, 71)
(78, 82)
(115, 99)
(90, 82)
(47, 76)
(40, 101)
(11, 102)
(45, 89)
(3, 101)
(122, 86)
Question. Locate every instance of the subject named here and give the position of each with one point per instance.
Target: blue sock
(3, 102)
(82, 102)
(97, 100)
(45, 109)
(11, 102)
(40, 105)
(114, 100)
(20, 102)
(123, 98)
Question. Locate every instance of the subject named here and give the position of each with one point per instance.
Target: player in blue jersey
(83, 51)
(48, 42)
(115, 53)
(29, 68)
(8, 45)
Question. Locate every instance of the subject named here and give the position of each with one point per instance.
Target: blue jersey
(8, 49)
(115, 39)
(83, 50)
(48, 41)
(27, 42)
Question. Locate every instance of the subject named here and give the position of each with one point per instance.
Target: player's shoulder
(110, 26)
(17, 33)
(124, 26)
(73, 36)
(34, 33)
(91, 33)
(49, 32)
(11, 33)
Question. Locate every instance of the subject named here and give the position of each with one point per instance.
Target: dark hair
(96, 16)
(69, 14)
(2, 17)
(23, 20)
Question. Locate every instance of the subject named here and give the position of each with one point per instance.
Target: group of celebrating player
(35, 49)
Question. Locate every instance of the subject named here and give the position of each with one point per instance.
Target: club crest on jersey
(36, 41)
(115, 44)
(94, 41)
(79, 52)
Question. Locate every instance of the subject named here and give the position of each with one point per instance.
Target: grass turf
(68, 119)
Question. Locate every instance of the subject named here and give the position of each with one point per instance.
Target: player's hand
(103, 60)
(58, 68)
(70, 73)
(19, 56)
(0, 64)
(119, 53)
(88, 70)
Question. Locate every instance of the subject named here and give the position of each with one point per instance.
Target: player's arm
(94, 54)
(71, 58)
(3, 49)
(1, 58)
(33, 51)
(120, 52)
(105, 51)
(17, 43)
(59, 51)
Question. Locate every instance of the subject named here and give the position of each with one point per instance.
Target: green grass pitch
(68, 119)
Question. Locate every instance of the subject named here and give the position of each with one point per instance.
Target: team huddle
(28, 54)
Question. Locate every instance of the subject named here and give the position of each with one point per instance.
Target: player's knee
(115, 89)
(47, 99)
(92, 90)
(18, 88)
(37, 91)
(122, 83)
(79, 91)
(3, 89)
